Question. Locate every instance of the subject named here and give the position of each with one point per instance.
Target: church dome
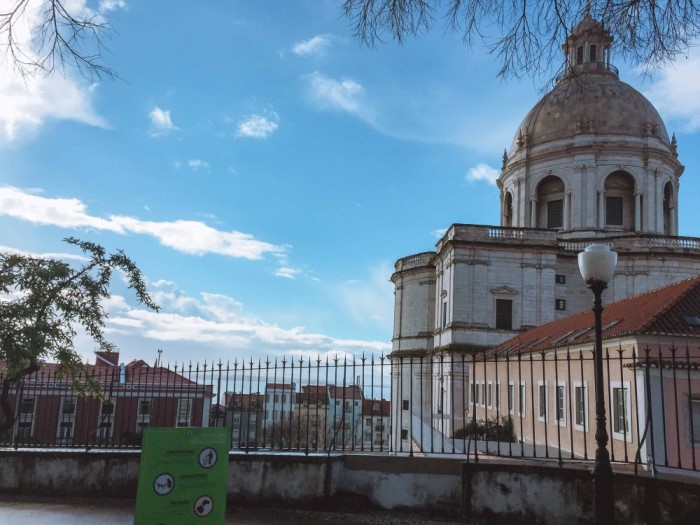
(589, 99)
(593, 103)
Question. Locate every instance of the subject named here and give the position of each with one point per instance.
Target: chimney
(106, 359)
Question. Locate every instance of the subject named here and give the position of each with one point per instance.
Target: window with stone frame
(504, 314)
(555, 213)
(614, 211)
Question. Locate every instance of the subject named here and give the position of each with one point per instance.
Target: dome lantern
(587, 49)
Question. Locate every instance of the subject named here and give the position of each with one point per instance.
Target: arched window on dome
(619, 201)
(508, 209)
(550, 203)
(668, 209)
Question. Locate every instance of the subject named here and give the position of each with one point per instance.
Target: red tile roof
(383, 407)
(244, 401)
(663, 311)
(346, 392)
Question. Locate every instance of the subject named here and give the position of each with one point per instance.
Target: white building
(592, 161)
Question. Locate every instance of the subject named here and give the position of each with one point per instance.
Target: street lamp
(597, 265)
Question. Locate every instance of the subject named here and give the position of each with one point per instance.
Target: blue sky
(265, 170)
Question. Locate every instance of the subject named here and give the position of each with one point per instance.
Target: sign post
(182, 476)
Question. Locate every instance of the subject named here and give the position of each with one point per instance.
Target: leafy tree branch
(43, 304)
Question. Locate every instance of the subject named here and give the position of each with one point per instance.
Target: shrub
(493, 429)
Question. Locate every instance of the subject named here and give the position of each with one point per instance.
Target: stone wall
(484, 492)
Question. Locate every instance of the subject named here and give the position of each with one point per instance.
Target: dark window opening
(444, 314)
(504, 314)
(560, 304)
(613, 211)
(560, 279)
(579, 55)
(593, 53)
(404, 433)
(555, 213)
(405, 404)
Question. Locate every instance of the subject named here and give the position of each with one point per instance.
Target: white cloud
(287, 272)
(313, 46)
(191, 237)
(258, 126)
(341, 95)
(197, 164)
(26, 104)
(483, 172)
(111, 5)
(676, 93)
(216, 323)
(439, 233)
(161, 122)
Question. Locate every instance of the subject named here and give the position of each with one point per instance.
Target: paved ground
(26, 511)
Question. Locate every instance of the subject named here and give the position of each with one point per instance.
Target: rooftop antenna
(160, 351)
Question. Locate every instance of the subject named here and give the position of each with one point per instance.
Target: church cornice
(597, 153)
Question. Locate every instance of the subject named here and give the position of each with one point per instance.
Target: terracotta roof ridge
(686, 285)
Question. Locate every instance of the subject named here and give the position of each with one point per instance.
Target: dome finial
(588, 8)
(674, 145)
(505, 158)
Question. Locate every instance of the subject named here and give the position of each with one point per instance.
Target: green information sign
(182, 476)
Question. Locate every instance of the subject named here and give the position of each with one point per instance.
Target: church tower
(591, 162)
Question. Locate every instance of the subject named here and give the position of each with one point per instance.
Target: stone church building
(591, 162)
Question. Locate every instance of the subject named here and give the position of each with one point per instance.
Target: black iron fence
(519, 403)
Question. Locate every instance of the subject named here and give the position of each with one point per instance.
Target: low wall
(484, 492)
(527, 492)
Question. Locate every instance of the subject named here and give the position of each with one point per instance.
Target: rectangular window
(107, 408)
(555, 213)
(404, 434)
(405, 404)
(580, 407)
(65, 431)
(695, 423)
(579, 55)
(27, 406)
(504, 314)
(472, 394)
(104, 430)
(68, 406)
(488, 395)
(144, 407)
(511, 398)
(277, 398)
(560, 279)
(521, 399)
(24, 430)
(560, 304)
(184, 413)
(542, 414)
(444, 314)
(498, 396)
(592, 53)
(620, 410)
(613, 211)
(561, 403)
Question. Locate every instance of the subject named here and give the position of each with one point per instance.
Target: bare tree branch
(526, 35)
(45, 36)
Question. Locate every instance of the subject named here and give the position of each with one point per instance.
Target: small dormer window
(579, 55)
(593, 53)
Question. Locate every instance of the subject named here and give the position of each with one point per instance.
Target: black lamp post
(597, 265)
